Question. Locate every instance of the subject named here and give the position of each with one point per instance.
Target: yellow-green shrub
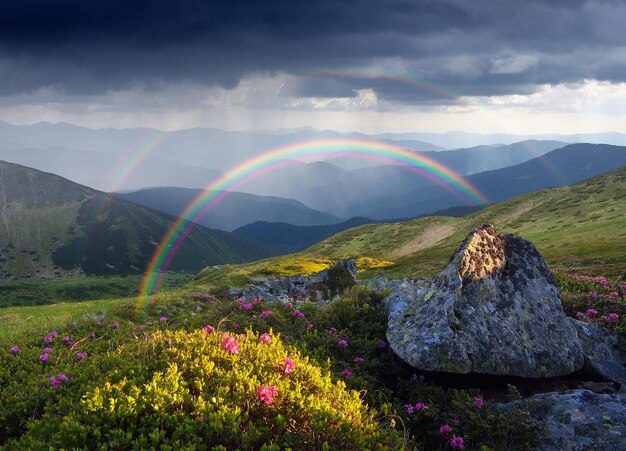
(190, 392)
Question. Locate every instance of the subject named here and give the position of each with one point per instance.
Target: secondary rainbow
(381, 72)
(282, 156)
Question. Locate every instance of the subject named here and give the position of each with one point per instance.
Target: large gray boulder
(494, 309)
(577, 420)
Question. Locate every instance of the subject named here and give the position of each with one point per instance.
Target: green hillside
(577, 228)
(52, 227)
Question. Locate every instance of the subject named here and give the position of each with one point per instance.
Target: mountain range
(234, 210)
(50, 227)
(578, 228)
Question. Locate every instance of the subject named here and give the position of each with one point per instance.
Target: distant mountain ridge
(564, 166)
(579, 228)
(234, 210)
(50, 227)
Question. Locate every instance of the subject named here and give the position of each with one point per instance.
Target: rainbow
(282, 156)
(125, 165)
(380, 72)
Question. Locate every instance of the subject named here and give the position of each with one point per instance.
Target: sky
(525, 67)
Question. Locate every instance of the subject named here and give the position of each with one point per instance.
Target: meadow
(204, 370)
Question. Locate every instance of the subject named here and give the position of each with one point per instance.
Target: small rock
(577, 420)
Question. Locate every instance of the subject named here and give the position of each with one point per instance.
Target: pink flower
(265, 338)
(289, 365)
(591, 313)
(420, 406)
(455, 422)
(267, 393)
(614, 294)
(359, 360)
(579, 315)
(479, 402)
(289, 305)
(310, 327)
(81, 355)
(611, 318)
(208, 329)
(163, 319)
(48, 340)
(54, 334)
(457, 442)
(346, 373)
(257, 300)
(266, 313)
(342, 343)
(15, 350)
(230, 344)
(98, 323)
(298, 314)
(44, 357)
(71, 344)
(54, 381)
(445, 429)
(116, 325)
(47, 350)
(91, 335)
(66, 339)
(332, 331)
(382, 344)
(409, 408)
(246, 306)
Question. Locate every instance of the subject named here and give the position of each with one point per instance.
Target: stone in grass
(494, 309)
(576, 420)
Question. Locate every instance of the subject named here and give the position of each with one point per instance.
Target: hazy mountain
(477, 159)
(459, 139)
(560, 167)
(109, 170)
(50, 226)
(360, 186)
(200, 147)
(234, 210)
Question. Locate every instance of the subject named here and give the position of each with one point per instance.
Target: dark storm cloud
(476, 47)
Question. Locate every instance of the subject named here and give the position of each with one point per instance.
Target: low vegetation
(209, 371)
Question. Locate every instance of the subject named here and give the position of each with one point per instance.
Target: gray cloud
(476, 48)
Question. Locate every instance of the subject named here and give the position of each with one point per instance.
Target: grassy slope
(577, 228)
(49, 225)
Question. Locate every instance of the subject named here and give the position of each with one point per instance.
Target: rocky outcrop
(604, 355)
(494, 309)
(316, 287)
(577, 420)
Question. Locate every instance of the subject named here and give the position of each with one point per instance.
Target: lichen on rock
(494, 309)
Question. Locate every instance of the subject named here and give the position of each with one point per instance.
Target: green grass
(28, 292)
(21, 322)
(579, 228)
